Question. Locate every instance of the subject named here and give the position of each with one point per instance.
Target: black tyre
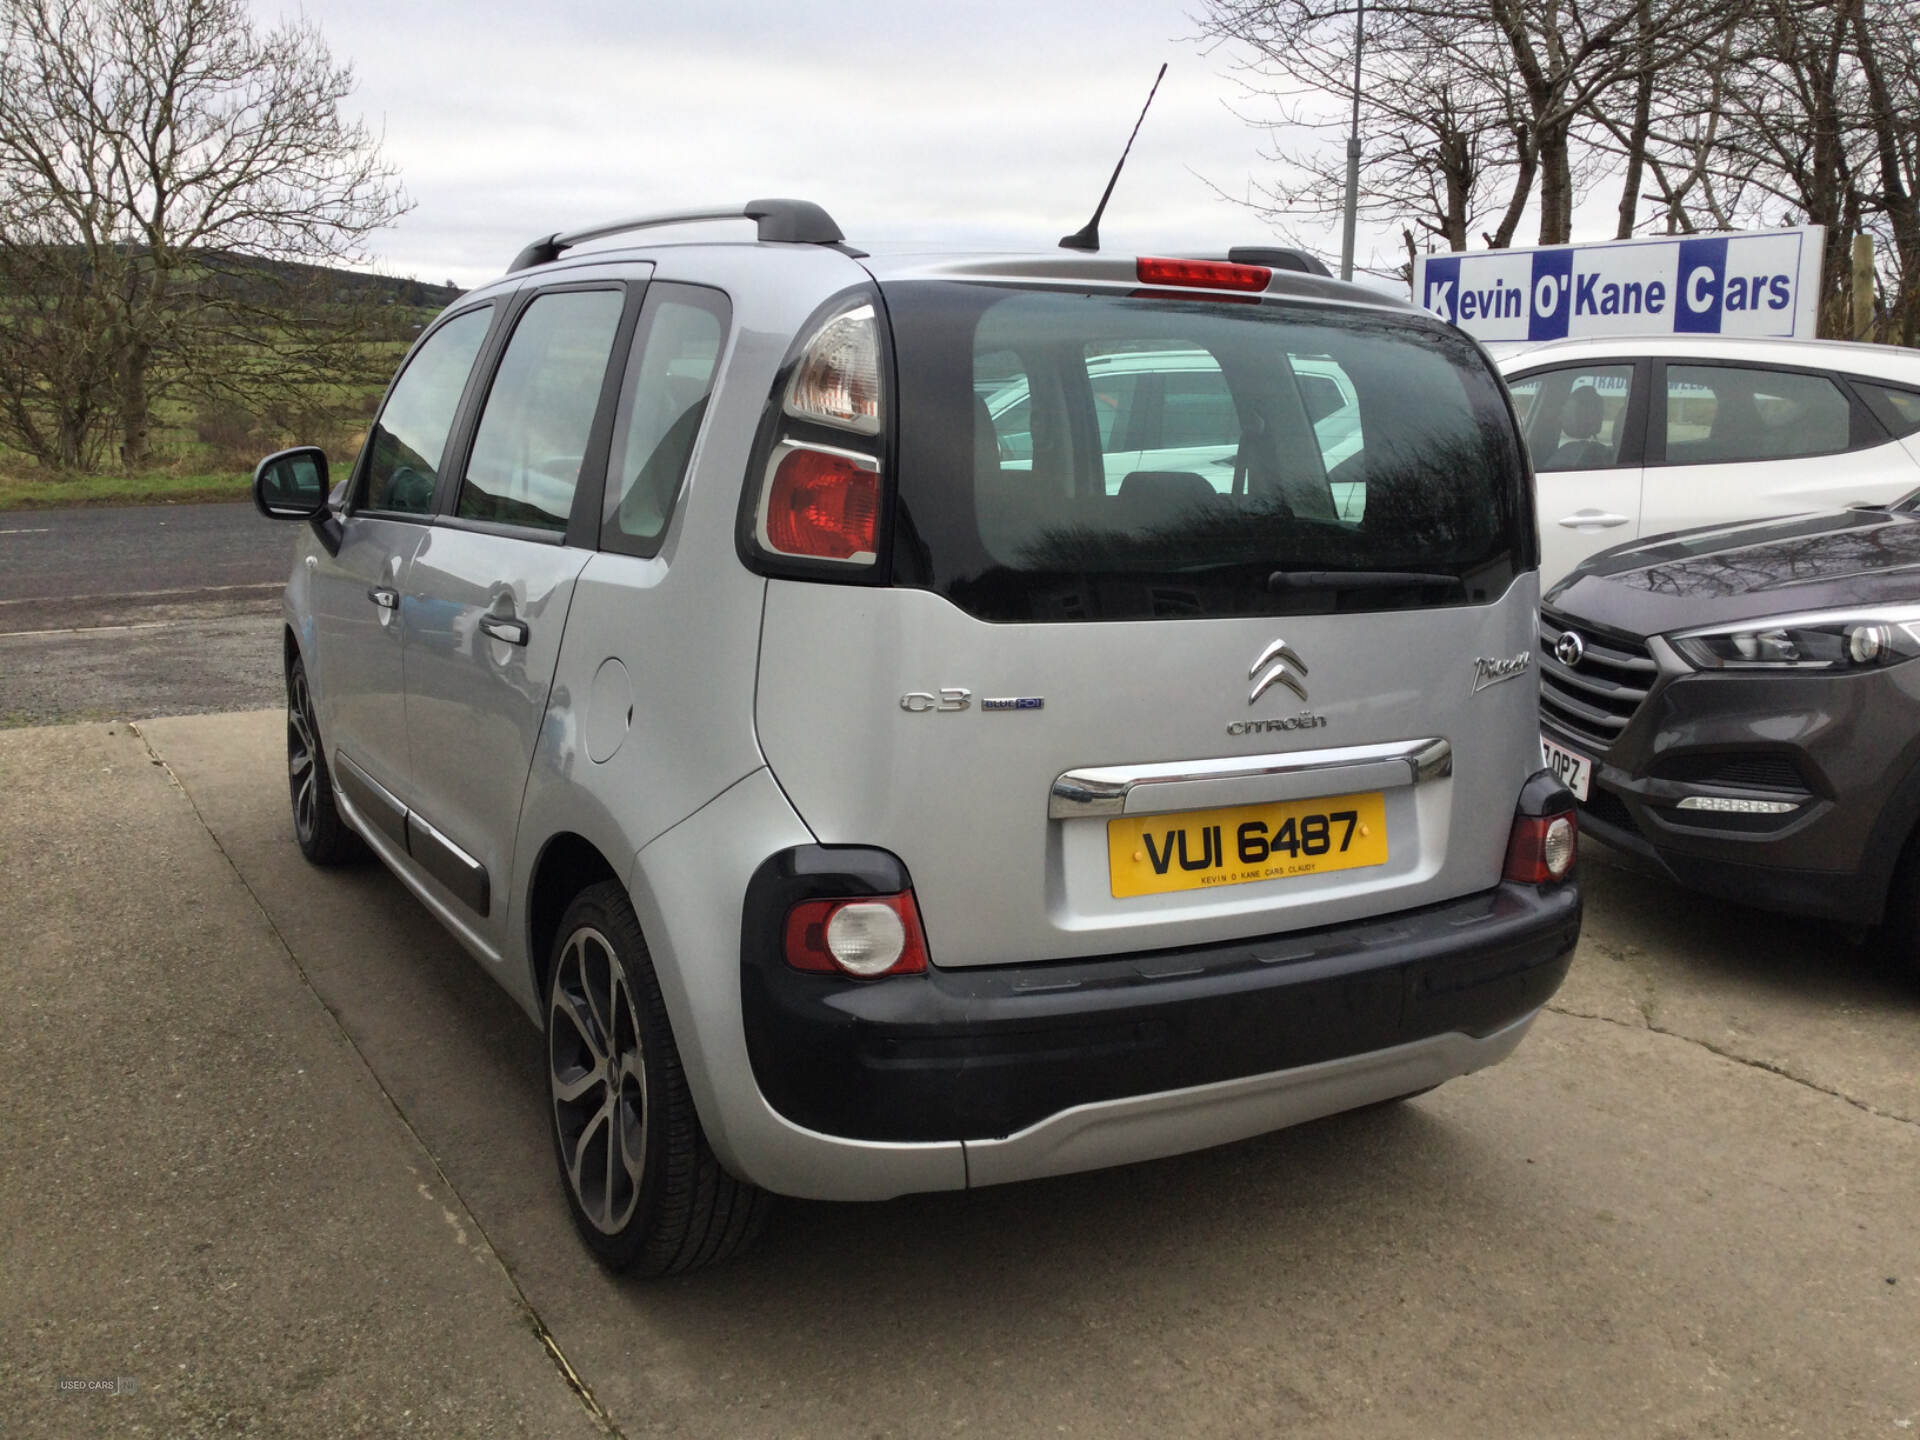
(324, 837)
(646, 1192)
(1899, 934)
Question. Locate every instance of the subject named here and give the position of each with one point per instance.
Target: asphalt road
(1686, 1207)
(138, 611)
(57, 556)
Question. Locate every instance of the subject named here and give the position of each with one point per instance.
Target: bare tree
(164, 147)
(1440, 136)
(1474, 112)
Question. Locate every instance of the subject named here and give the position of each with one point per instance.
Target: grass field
(163, 488)
(201, 454)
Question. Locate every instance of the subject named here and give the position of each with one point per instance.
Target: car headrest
(1167, 489)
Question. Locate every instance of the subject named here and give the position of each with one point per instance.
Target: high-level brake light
(1202, 274)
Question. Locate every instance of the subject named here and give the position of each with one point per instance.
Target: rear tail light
(837, 380)
(821, 504)
(867, 937)
(1202, 274)
(1541, 848)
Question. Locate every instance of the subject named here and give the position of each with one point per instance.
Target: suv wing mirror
(292, 484)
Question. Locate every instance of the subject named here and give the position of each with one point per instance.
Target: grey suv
(860, 812)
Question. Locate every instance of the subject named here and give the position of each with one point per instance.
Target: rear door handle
(1598, 519)
(385, 597)
(504, 627)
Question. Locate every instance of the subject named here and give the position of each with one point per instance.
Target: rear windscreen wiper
(1358, 579)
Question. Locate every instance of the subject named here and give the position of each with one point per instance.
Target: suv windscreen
(1068, 456)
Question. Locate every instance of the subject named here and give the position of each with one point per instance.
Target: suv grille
(1593, 702)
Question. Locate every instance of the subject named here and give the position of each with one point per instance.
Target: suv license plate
(1201, 849)
(1574, 771)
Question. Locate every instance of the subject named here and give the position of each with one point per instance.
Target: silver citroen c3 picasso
(889, 744)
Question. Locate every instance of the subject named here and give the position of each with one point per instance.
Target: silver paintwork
(766, 715)
(964, 803)
(1249, 780)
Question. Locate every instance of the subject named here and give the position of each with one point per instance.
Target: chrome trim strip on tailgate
(1244, 779)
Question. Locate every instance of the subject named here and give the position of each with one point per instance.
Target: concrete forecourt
(277, 1157)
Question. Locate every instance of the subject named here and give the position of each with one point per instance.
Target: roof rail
(795, 222)
(1279, 257)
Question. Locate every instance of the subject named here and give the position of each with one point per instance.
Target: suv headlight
(1840, 640)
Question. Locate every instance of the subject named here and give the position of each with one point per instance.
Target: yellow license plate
(1200, 849)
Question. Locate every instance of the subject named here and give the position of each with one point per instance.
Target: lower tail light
(866, 937)
(821, 505)
(1541, 848)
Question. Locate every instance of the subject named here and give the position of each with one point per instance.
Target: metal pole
(1353, 148)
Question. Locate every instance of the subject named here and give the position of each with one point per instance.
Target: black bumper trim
(1848, 896)
(982, 1053)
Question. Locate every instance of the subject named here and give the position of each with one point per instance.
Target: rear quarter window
(1073, 456)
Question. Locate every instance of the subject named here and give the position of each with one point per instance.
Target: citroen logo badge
(1569, 649)
(1279, 664)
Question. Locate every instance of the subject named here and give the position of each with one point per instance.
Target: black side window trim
(1634, 428)
(1864, 431)
(1866, 389)
(582, 519)
(356, 489)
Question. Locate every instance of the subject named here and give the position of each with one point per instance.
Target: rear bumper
(1006, 1057)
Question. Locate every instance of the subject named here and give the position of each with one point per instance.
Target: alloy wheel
(302, 751)
(598, 1080)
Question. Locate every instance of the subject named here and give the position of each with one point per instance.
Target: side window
(1003, 408)
(533, 432)
(1196, 409)
(1722, 413)
(1118, 382)
(1113, 397)
(1168, 412)
(1898, 410)
(1574, 419)
(662, 402)
(403, 460)
(1020, 434)
(1333, 409)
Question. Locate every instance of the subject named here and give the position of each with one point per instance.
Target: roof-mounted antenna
(1089, 238)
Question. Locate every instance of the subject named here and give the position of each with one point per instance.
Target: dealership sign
(1759, 282)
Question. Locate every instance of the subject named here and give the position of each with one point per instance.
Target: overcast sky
(986, 123)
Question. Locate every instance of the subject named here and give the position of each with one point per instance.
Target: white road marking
(149, 594)
(6, 635)
(44, 530)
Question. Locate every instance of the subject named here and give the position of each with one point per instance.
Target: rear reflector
(867, 937)
(821, 505)
(1202, 274)
(1540, 849)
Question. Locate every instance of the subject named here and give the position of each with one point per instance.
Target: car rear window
(1073, 456)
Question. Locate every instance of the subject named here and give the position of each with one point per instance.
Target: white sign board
(1759, 282)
